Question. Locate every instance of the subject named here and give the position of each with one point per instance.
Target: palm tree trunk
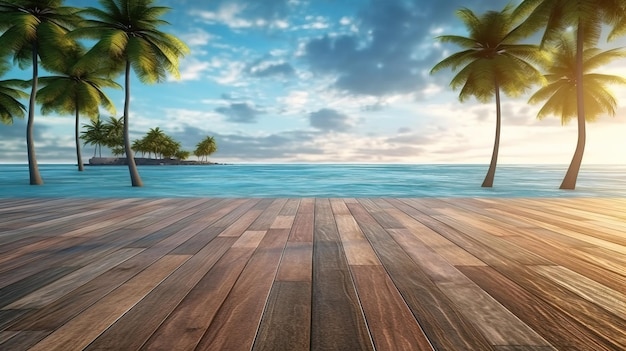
(130, 158)
(488, 182)
(569, 182)
(79, 157)
(33, 169)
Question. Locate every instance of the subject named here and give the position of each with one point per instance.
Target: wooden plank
(265, 220)
(185, 326)
(390, 321)
(290, 209)
(339, 207)
(286, 322)
(302, 228)
(595, 318)
(235, 324)
(444, 247)
(574, 259)
(26, 286)
(136, 326)
(232, 215)
(69, 282)
(438, 269)
(282, 222)
(499, 325)
(296, 264)
(84, 328)
(337, 321)
(54, 315)
(241, 224)
(384, 219)
(611, 300)
(444, 325)
(556, 327)
(356, 247)
(496, 245)
(22, 340)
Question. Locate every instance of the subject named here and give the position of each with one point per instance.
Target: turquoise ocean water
(312, 180)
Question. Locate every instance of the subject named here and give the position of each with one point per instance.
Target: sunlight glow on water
(312, 180)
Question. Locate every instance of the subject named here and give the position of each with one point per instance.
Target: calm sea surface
(312, 180)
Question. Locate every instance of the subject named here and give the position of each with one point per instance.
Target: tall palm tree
(33, 30)
(492, 60)
(562, 82)
(10, 105)
(95, 134)
(77, 90)
(128, 32)
(586, 17)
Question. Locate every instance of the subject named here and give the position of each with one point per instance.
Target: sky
(333, 81)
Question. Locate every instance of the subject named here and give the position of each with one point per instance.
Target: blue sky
(327, 81)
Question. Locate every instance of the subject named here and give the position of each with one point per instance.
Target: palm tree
(128, 32)
(205, 148)
(77, 90)
(182, 155)
(114, 131)
(139, 145)
(10, 106)
(492, 60)
(35, 29)
(155, 141)
(170, 147)
(586, 17)
(562, 82)
(95, 134)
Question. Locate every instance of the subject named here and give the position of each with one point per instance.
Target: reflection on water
(312, 180)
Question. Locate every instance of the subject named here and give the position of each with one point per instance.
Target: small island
(143, 161)
(161, 148)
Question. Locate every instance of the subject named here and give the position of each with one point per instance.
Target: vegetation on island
(154, 143)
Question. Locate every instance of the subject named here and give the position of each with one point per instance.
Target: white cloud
(295, 101)
(192, 69)
(198, 37)
(231, 74)
(227, 14)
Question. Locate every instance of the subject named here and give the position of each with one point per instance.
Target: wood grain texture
(554, 325)
(286, 322)
(389, 319)
(321, 274)
(235, 324)
(84, 328)
(432, 309)
(337, 321)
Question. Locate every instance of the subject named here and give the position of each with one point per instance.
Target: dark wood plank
(235, 324)
(286, 322)
(23, 287)
(185, 326)
(337, 319)
(80, 331)
(136, 326)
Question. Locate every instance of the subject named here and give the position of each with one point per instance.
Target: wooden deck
(319, 274)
